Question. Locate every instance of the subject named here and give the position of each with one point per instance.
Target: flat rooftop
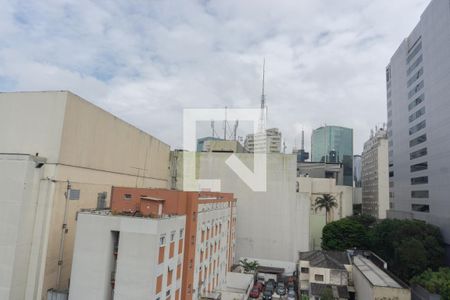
(374, 274)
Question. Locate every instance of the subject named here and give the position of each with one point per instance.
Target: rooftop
(339, 291)
(326, 259)
(374, 274)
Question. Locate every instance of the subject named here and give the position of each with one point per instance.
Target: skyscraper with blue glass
(334, 144)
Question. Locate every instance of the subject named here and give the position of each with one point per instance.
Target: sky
(145, 61)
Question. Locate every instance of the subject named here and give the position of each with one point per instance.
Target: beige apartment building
(375, 175)
(59, 154)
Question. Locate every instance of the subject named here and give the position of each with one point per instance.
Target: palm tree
(249, 266)
(327, 202)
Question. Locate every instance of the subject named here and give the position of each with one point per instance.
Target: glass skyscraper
(334, 144)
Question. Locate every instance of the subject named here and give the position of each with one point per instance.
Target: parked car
(281, 289)
(254, 293)
(259, 285)
(270, 285)
(267, 295)
(291, 295)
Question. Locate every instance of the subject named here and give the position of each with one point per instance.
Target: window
(162, 240)
(181, 233)
(415, 90)
(418, 140)
(417, 114)
(415, 77)
(414, 65)
(420, 207)
(419, 167)
(418, 153)
(172, 236)
(414, 52)
(74, 194)
(419, 180)
(417, 127)
(416, 102)
(304, 270)
(391, 174)
(127, 197)
(318, 277)
(419, 194)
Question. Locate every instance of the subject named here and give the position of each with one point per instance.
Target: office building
(190, 232)
(375, 175)
(418, 92)
(270, 142)
(334, 144)
(357, 170)
(60, 154)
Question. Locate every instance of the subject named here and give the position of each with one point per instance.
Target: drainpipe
(63, 235)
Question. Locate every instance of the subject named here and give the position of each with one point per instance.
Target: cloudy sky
(145, 61)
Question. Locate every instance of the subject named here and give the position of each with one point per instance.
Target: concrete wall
(20, 214)
(272, 224)
(84, 144)
(137, 257)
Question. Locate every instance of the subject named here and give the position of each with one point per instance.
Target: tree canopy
(408, 246)
(435, 282)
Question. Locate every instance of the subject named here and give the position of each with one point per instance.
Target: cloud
(147, 60)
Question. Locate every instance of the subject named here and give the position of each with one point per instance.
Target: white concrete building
(375, 175)
(312, 188)
(272, 224)
(371, 282)
(418, 89)
(86, 149)
(123, 257)
(268, 142)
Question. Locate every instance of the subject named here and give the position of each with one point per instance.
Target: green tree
(435, 282)
(327, 294)
(345, 234)
(249, 266)
(365, 220)
(327, 202)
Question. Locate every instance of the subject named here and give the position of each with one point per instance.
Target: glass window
(417, 127)
(416, 76)
(417, 114)
(419, 167)
(418, 140)
(304, 270)
(420, 207)
(74, 194)
(162, 240)
(415, 90)
(127, 197)
(318, 277)
(415, 64)
(416, 102)
(414, 52)
(418, 153)
(419, 180)
(419, 194)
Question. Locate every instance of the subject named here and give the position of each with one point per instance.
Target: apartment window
(304, 270)
(391, 174)
(415, 64)
(74, 194)
(418, 153)
(181, 233)
(418, 140)
(419, 194)
(419, 180)
(420, 207)
(416, 101)
(127, 197)
(414, 52)
(419, 167)
(318, 277)
(414, 91)
(416, 76)
(417, 114)
(172, 236)
(417, 127)
(162, 240)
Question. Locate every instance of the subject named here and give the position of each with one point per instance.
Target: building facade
(375, 175)
(418, 89)
(334, 144)
(210, 232)
(85, 151)
(270, 142)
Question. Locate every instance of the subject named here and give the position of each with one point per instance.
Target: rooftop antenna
(225, 125)
(213, 132)
(236, 124)
(263, 99)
